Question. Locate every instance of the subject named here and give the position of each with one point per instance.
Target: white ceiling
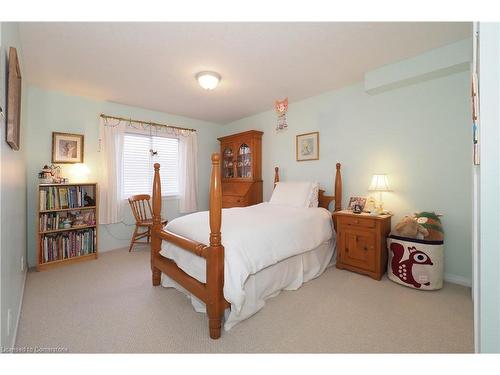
(152, 65)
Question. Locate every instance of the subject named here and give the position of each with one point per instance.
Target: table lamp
(79, 172)
(379, 183)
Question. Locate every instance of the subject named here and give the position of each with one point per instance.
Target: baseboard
(460, 280)
(14, 335)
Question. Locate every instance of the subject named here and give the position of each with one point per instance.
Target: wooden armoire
(241, 169)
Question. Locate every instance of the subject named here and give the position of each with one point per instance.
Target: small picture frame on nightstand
(358, 202)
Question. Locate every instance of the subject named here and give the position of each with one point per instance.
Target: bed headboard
(325, 200)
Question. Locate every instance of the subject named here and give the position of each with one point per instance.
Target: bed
(269, 247)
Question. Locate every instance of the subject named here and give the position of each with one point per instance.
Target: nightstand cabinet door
(361, 245)
(358, 248)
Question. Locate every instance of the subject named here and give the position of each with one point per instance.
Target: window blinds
(138, 163)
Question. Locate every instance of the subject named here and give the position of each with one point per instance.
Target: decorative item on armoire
(281, 107)
(307, 146)
(416, 252)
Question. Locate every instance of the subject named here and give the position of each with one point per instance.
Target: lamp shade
(379, 183)
(79, 172)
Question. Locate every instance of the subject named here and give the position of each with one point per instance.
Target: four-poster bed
(209, 288)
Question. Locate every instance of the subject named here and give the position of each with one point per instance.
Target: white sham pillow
(314, 195)
(292, 193)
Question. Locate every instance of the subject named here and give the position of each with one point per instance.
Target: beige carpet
(109, 305)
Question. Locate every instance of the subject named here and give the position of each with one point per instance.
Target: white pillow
(294, 194)
(314, 195)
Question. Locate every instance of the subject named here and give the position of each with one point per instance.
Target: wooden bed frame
(211, 292)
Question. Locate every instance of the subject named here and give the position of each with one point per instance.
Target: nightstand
(361, 242)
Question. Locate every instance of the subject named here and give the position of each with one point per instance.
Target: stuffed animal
(408, 227)
(431, 222)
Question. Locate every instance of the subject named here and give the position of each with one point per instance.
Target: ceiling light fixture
(208, 80)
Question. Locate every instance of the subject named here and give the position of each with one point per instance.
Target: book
(68, 245)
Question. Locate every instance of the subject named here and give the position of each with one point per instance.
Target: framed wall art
(13, 129)
(307, 146)
(67, 148)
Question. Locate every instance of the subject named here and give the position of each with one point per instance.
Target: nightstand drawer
(357, 222)
(357, 249)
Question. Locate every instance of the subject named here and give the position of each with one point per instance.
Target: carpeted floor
(109, 305)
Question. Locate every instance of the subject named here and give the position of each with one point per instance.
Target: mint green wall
(13, 199)
(54, 111)
(420, 135)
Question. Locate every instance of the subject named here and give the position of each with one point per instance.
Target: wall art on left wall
(13, 101)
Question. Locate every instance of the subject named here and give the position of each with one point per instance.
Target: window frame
(141, 133)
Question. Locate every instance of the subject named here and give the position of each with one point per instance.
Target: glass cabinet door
(244, 162)
(227, 163)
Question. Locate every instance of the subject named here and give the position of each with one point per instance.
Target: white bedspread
(254, 238)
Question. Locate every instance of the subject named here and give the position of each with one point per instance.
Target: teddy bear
(431, 222)
(408, 227)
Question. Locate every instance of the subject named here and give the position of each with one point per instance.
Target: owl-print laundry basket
(415, 263)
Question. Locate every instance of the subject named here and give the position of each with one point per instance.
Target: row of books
(66, 220)
(55, 197)
(68, 245)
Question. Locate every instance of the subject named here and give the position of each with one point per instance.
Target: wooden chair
(141, 208)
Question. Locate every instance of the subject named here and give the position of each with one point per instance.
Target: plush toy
(431, 222)
(408, 227)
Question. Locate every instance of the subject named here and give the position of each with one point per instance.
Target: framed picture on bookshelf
(67, 148)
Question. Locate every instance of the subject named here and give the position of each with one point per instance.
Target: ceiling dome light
(208, 80)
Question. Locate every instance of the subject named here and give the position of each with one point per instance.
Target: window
(138, 163)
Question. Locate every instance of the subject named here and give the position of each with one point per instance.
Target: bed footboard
(210, 292)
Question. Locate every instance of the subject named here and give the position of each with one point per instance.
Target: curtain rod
(145, 122)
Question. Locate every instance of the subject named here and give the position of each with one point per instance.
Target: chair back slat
(141, 207)
(144, 215)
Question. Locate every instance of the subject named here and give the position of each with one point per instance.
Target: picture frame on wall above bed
(67, 148)
(14, 83)
(307, 146)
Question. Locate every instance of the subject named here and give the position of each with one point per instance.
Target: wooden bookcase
(58, 244)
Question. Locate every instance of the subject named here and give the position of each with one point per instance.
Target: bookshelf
(67, 224)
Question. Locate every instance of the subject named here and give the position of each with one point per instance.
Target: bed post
(276, 176)
(215, 254)
(338, 189)
(155, 238)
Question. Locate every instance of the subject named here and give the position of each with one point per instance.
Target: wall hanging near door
(475, 120)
